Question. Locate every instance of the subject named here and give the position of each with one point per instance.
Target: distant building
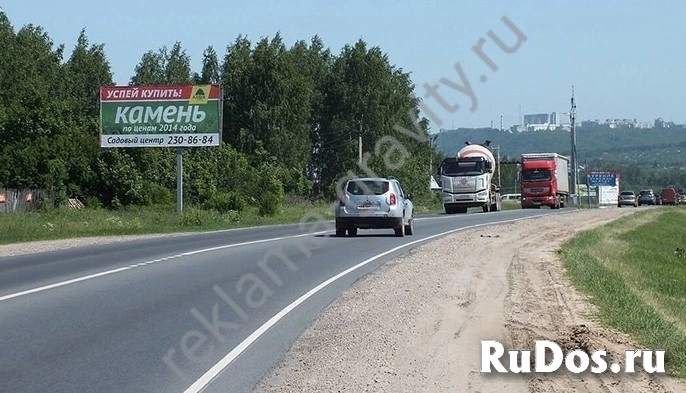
(546, 121)
(617, 123)
(621, 123)
(562, 121)
(538, 118)
(659, 123)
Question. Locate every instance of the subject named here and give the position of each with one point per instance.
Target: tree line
(291, 121)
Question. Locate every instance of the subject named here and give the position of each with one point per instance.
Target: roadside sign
(160, 116)
(602, 179)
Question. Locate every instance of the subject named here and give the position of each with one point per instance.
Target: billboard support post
(588, 192)
(179, 180)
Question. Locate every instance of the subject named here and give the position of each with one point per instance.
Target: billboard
(608, 194)
(584, 191)
(160, 116)
(597, 178)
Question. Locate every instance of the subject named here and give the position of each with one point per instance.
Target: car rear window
(627, 193)
(367, 187)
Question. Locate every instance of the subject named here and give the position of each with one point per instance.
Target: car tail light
(393, 200)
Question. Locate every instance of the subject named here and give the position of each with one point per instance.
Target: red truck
(544, 180)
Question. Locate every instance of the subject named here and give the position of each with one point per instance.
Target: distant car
(658, 199)
(511, 197)
(374, 203)
(647, 197)
(682, 195)
(669, 196)
(627, 198)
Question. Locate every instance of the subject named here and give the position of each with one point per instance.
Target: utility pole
(359, 142)
(572, 117)
(501, 122)
(432, 139)
(359, 145)
(498, 161)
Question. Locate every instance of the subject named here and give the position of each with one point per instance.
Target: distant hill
(664, 147)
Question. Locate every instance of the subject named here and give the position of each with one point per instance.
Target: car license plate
(366, 206)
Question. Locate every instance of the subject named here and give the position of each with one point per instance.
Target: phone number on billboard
(190, 140)
(161, 140)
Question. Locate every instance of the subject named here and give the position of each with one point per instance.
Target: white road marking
(129, 267)
(448, 216)
(213, 372)
(63, 283)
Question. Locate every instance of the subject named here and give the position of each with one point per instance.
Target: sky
(624, 58)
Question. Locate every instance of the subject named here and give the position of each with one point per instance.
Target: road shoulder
(416, 323)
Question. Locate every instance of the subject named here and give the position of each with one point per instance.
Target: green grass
(64, 223)
(510, 205)
(634, 271)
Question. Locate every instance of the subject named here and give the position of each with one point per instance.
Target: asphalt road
(181, 314)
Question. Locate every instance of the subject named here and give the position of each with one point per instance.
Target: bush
(224, 202)
(92, 202)
(272, 194)
(294, 181)
(270, 204)
(155, 194)
(192, 218)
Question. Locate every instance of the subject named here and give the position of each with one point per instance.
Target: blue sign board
(602, 179)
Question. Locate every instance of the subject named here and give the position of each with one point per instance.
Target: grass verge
(634, 271)
(62, 223)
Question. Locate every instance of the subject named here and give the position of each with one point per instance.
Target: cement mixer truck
(467, 180)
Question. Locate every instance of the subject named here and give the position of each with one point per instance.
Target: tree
(366, 92)
(235, 78)
(210, 68)
(177, 70)
(151, 69)
(86, 71)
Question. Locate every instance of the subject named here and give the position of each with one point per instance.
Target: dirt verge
(416, 324)
(8, 250)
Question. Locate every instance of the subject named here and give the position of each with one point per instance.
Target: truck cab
(544, 180)
(467, 181)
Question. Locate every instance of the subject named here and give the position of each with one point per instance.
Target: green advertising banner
(160, 116)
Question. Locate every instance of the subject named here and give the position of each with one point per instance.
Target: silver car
(371, 203)
(627, 198)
